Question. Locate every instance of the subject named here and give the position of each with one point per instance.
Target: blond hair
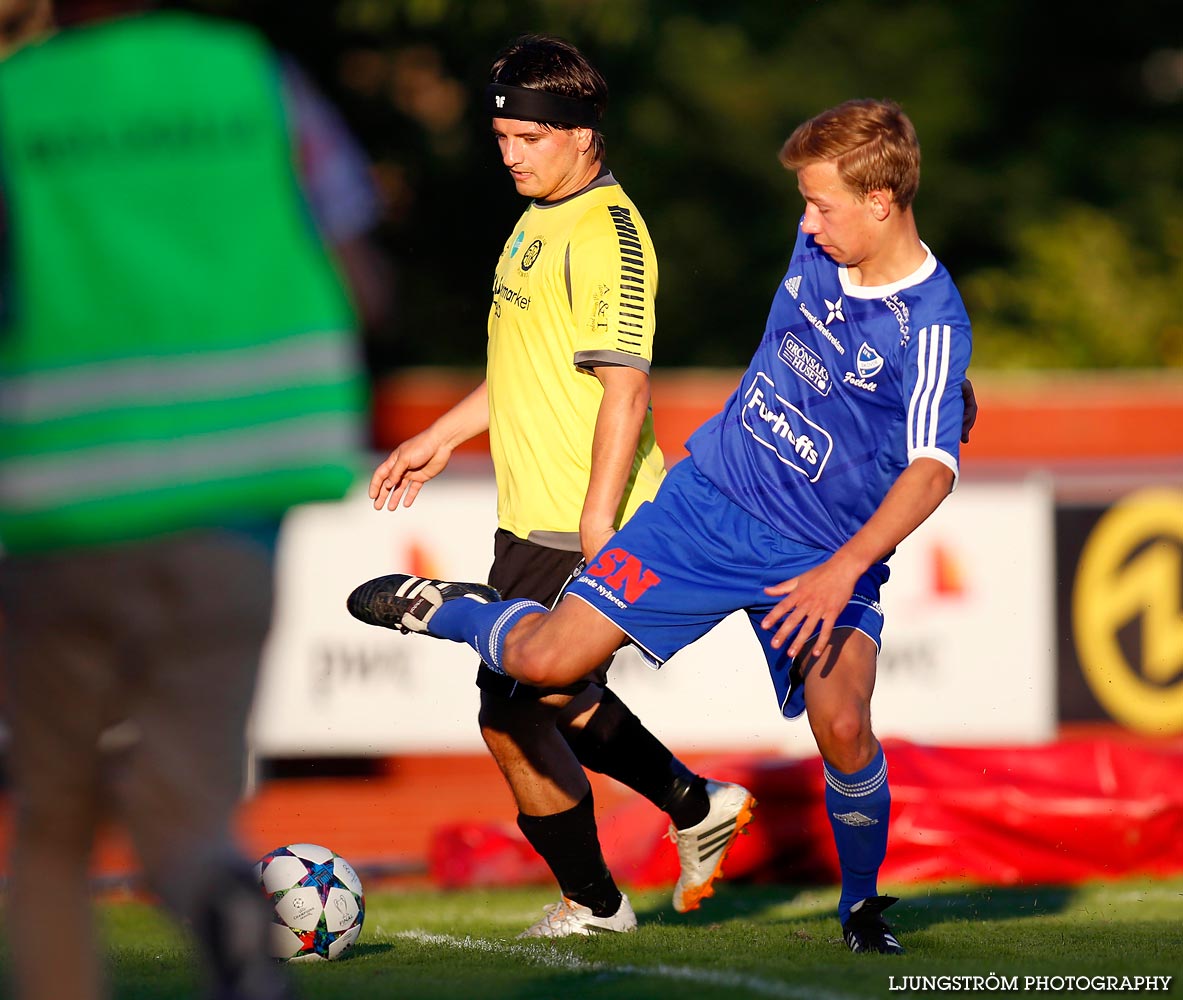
(872, 143)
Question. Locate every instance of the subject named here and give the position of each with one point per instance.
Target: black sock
(569, 844)
(615, 742)
(688, 803)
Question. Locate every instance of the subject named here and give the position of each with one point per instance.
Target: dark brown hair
(543, 62)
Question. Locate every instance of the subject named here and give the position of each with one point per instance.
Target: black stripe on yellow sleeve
(632, 302)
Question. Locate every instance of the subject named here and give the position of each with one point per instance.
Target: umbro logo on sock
(855, 818)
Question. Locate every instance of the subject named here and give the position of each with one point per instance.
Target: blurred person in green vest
(179, 365)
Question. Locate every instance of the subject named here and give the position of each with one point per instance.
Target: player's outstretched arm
(817, 597)
(421, 458)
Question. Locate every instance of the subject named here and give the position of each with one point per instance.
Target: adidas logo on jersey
(793, 285)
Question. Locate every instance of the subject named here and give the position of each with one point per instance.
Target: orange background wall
(1024, 418)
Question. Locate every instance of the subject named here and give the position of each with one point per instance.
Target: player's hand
(970, 417)
(413, 463)
(815, 598)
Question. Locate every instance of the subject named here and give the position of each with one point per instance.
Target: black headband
(528, 105)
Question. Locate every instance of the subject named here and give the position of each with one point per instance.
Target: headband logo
(533, 105)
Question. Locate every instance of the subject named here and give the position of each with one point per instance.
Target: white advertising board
(967, 659)
(332, 685)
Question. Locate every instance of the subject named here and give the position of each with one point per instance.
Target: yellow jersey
(574, 288)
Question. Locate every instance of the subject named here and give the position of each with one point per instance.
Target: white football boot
(702, 847)
(566, 917)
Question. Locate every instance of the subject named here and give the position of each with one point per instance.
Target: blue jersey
(849, 384)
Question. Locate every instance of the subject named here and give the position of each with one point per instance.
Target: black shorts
(525, 569)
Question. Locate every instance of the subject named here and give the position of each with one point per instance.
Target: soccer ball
(318, 899)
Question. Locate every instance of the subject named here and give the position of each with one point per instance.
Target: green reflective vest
(176, 347)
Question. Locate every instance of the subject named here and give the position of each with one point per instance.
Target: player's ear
(583, 139)
(880, 202)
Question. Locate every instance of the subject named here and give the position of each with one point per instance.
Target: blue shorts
(690, 558)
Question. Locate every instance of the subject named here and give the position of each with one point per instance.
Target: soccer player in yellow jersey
(566, 404)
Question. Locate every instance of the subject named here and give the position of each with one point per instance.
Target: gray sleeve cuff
(593, 359)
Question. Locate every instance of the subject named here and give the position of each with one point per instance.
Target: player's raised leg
(518, 637)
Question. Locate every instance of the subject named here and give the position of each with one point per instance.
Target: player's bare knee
(535, 669)
(542, 664)
(843, 736)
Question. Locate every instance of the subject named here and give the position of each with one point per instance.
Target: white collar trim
(923, 272)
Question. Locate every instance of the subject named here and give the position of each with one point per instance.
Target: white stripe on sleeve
(932, 371)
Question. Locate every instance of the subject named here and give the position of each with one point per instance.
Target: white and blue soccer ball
(319, 905)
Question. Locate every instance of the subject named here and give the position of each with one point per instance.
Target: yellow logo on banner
(1130, 579)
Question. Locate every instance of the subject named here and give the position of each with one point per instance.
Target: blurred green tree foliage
(1052, 137)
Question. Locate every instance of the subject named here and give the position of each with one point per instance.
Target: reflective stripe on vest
(33, 483)
(53, 394)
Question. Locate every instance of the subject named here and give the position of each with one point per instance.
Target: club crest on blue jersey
(868, 361)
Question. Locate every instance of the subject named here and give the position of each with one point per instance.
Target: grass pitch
(748, 941)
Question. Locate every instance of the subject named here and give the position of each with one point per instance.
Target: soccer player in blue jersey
(841, 438)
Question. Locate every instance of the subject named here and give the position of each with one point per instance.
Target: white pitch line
(550, 958)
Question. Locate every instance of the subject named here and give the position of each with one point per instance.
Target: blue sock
(482, 626)
(859, 806)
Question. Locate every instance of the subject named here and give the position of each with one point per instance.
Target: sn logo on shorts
(624, 573)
